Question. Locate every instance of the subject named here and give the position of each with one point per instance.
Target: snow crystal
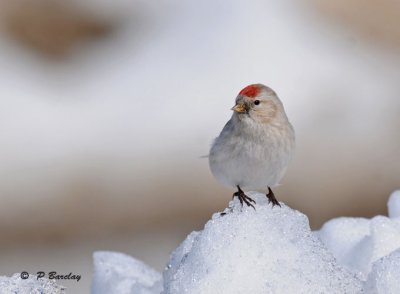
(385, 275)
(16, 285)
(267, 250)
(179, 255)
(394, 204)
(119, 273)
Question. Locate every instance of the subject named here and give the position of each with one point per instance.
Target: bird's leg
(243, 197)
(271, 198)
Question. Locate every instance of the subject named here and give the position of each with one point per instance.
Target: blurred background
(107, 107)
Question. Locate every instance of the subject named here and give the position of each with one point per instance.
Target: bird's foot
(243, 198)
(271, 198)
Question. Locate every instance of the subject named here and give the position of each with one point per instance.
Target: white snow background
(80, 125)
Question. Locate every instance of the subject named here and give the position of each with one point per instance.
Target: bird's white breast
(252, 156)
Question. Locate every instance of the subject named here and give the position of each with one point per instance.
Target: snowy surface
(357, 242)
(394, 205)
(32, 285)
(256, 251)
(119, 273)
(268, 250)
(385, 275)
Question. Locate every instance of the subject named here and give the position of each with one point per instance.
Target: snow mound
(357, 242)
(394, 204)
(342, 234)
(385, 275)
(267, 250)
(121, 274)
(16, 285)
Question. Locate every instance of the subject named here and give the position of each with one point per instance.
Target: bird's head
(259, 103)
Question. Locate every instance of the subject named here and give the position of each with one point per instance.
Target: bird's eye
(257, 102)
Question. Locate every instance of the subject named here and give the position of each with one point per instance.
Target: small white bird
(255, 146)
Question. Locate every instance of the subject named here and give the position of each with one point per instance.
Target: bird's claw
(243, 198)
(271, 198)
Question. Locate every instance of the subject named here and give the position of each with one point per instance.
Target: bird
(254, 148)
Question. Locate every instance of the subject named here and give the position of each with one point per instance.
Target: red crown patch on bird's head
(250, 91)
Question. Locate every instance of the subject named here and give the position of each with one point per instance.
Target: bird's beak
(239, 108)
